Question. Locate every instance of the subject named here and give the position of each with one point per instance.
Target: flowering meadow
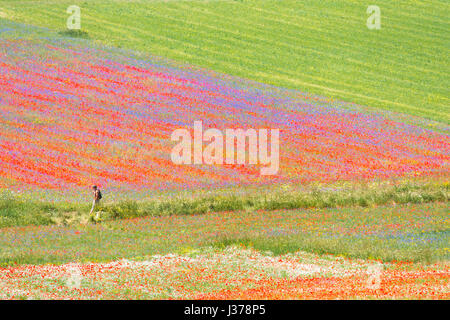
(335, 222)
(238, 255)
(233, 273)
(74, 114)
(414, 233)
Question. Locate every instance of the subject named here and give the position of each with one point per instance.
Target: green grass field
(411, 232)
(25, 210)
(320, 47)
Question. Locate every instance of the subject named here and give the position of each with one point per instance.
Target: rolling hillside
(359, 205)
(93, 115)
(319, 47)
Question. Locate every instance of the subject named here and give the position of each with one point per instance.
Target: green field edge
(179, 46)
(19, 211)
(140, 239)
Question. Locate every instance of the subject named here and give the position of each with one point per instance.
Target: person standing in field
(97, 196)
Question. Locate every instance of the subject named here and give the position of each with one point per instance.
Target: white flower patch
(75, 276)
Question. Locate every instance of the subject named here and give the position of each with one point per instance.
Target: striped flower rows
(73, 115)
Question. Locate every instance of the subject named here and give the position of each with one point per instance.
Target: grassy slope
(322, 47)
(415, 232)
(17, 210)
